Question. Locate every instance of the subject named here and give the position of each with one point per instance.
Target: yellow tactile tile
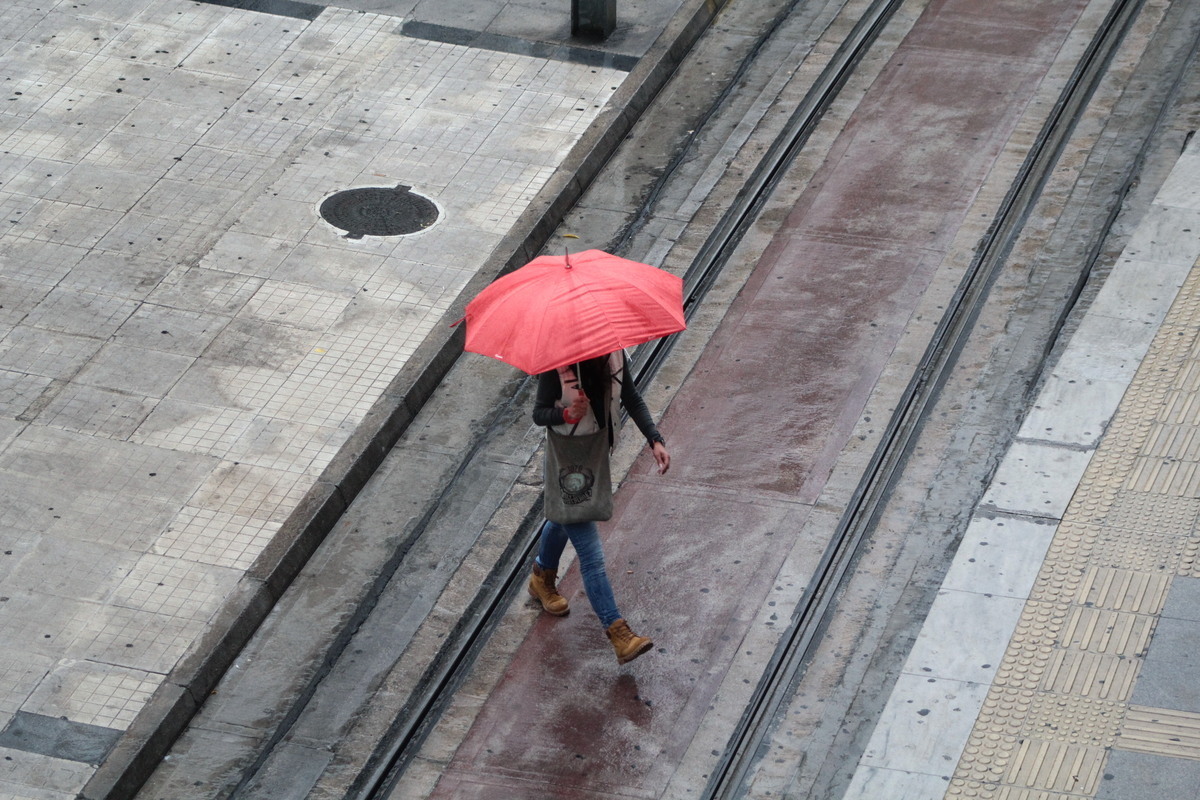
(1031, 648)
(1124, 590)
(1186, 310)
(1163, 366)
(1152, 514)
(1146, 550)
(1009, 793)
(1083, 721)
(1188, 378)
(1091, 502)
(985, 760)
(1189, 563)
(1124, 438)
(1091, 675)
(1059, 580)
(1174, 440)
(1161, 731)
(1099, 630)
(1167, 476)
(1180, 405)
(1055, 766)
(1077, 539)
(1009, 707)
(1060, 698)
(969, 790)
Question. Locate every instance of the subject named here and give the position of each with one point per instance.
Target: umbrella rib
(548, 317)
(640, 290)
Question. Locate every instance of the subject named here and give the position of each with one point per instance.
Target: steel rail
(812, 616)
(624, 238)
(724, 239)
(417, 718)
(786, 666)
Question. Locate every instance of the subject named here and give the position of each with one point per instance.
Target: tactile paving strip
(1097, 675)
(1161, 731)
(1055, 765)
(1061, 697)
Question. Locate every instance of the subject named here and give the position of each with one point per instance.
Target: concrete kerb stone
(289, 550)
(144, 744)
(367, 446)
(233, 626)
(165, 717)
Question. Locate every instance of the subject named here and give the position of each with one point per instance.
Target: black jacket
(595, 377)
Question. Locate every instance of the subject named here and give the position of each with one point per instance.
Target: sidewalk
(198, 371)
(1059, 657)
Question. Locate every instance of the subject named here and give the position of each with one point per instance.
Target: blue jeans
(585, 537)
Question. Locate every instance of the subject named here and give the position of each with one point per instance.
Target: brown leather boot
(627, 643)
(541, 586)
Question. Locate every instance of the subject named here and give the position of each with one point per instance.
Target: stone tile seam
(993, 512)
(1075, 447)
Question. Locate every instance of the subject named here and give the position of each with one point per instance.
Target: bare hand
(662, 457)
(579, 406)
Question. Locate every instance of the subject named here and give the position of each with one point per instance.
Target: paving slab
(1140, 776)
(1165, 679)
(1183, 601)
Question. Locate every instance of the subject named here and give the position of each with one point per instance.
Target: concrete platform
(197, 370)
(1059, 657)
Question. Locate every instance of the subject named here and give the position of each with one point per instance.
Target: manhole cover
(379, 211)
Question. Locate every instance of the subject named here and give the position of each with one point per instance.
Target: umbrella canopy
(560, 310)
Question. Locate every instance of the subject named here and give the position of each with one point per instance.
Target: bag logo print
(576, 482)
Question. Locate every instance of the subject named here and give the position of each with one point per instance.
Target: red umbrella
(559, 310)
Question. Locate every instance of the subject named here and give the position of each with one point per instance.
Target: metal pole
(593, 19)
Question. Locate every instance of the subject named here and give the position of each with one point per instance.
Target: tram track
(811, 618)
(812, 615)
(305, 697)
(429, 698)
(417, 718)
(415, 721)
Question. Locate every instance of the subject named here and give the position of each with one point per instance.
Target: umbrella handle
(569, 376)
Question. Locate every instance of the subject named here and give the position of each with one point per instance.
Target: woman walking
(573, 405)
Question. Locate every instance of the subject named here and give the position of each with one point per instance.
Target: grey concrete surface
(1183, 599)
(1168, 675)
(117, 281)
(1140, 776)
(197, 372)
(1111, 342)
(58, 737)
(947, 705)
